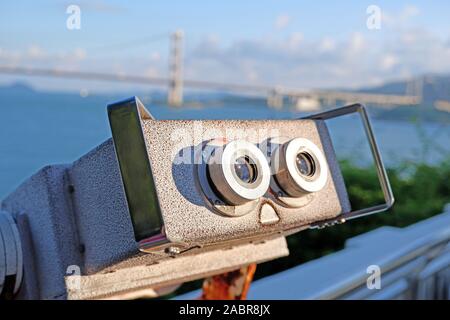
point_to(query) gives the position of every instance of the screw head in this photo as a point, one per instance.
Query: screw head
(173, 251)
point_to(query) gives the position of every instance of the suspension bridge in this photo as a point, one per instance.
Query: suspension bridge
(175, 82)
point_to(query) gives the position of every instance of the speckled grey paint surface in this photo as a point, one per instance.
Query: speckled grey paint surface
(101, 210)
(54, 244)
(78, 214)
(173, 271)
(186, 218)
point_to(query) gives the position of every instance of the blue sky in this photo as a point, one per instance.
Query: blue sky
(292, 43)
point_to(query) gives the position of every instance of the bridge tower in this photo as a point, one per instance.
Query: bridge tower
(175, 95)
(414, 87)
(275, 98)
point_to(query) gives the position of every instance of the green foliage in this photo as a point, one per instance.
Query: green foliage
(420, 190)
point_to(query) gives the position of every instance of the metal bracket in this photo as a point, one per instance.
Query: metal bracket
(125, 119)
(11, 257)
(381, 171)
(149, 280)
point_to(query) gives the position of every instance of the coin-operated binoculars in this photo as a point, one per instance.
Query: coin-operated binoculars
(168, 201)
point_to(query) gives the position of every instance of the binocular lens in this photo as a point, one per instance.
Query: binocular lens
(299, 167)
(246, 170)
(305, 164)
(239, 172)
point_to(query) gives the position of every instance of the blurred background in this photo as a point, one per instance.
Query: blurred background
(61, 62)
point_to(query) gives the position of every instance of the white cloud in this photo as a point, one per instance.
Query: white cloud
(358, 59)
(295, 40)
(79, 54)
(388, 61)
(251, 75)
(401, 18)
(349, 62)
(35, 52)
(327, 44)
(152, 72)
(409, 11)
(357, 42)
(155, 56)
(282, 21)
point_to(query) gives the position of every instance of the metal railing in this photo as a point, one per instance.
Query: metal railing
(414, 263)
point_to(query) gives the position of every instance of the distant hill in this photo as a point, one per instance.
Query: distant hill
(17, 87)
(432, 87)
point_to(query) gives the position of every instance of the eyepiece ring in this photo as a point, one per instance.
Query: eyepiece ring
(295, 178)
(222, 167)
